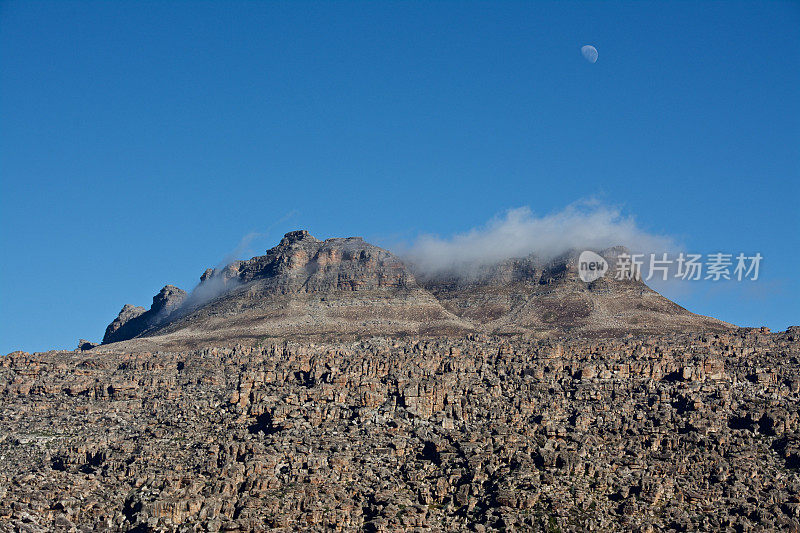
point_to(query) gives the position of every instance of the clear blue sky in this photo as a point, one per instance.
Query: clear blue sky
(139, 142)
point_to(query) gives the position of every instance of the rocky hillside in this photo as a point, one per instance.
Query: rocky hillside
(692, 432)
(347, 288)
(529, 294)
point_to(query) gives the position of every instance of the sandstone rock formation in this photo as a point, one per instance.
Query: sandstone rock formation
(687, 432)
(326, 387)
(117, 329)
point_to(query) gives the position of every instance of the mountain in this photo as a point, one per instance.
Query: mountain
(346, 287)
(304, 287)
(519, 295)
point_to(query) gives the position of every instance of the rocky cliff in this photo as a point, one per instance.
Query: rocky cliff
(133, 321)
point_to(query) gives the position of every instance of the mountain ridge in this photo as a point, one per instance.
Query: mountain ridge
(304, 287)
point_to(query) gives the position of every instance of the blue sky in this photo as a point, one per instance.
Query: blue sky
(139, 142)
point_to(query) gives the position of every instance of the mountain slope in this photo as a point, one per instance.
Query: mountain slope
(306, 287)
(528, 294)
(345, 287)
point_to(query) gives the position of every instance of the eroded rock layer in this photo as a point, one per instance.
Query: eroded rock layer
(694, 432)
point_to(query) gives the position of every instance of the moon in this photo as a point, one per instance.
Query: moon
(589, 52)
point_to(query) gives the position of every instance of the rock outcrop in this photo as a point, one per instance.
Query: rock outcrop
(122, 327)
(302, 264)
(133, 321)
(690, 432)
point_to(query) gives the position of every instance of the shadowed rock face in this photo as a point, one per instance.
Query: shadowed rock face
(133, 321)
(121, 328)
(304, 287)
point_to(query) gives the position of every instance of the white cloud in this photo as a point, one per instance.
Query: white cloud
(519, 232)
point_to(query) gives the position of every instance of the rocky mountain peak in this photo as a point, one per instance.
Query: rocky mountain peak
(302, 263)
(126, 315)
(346, 286)
(168, 299)
(297, 236)
(133, 321)
(529, 270)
